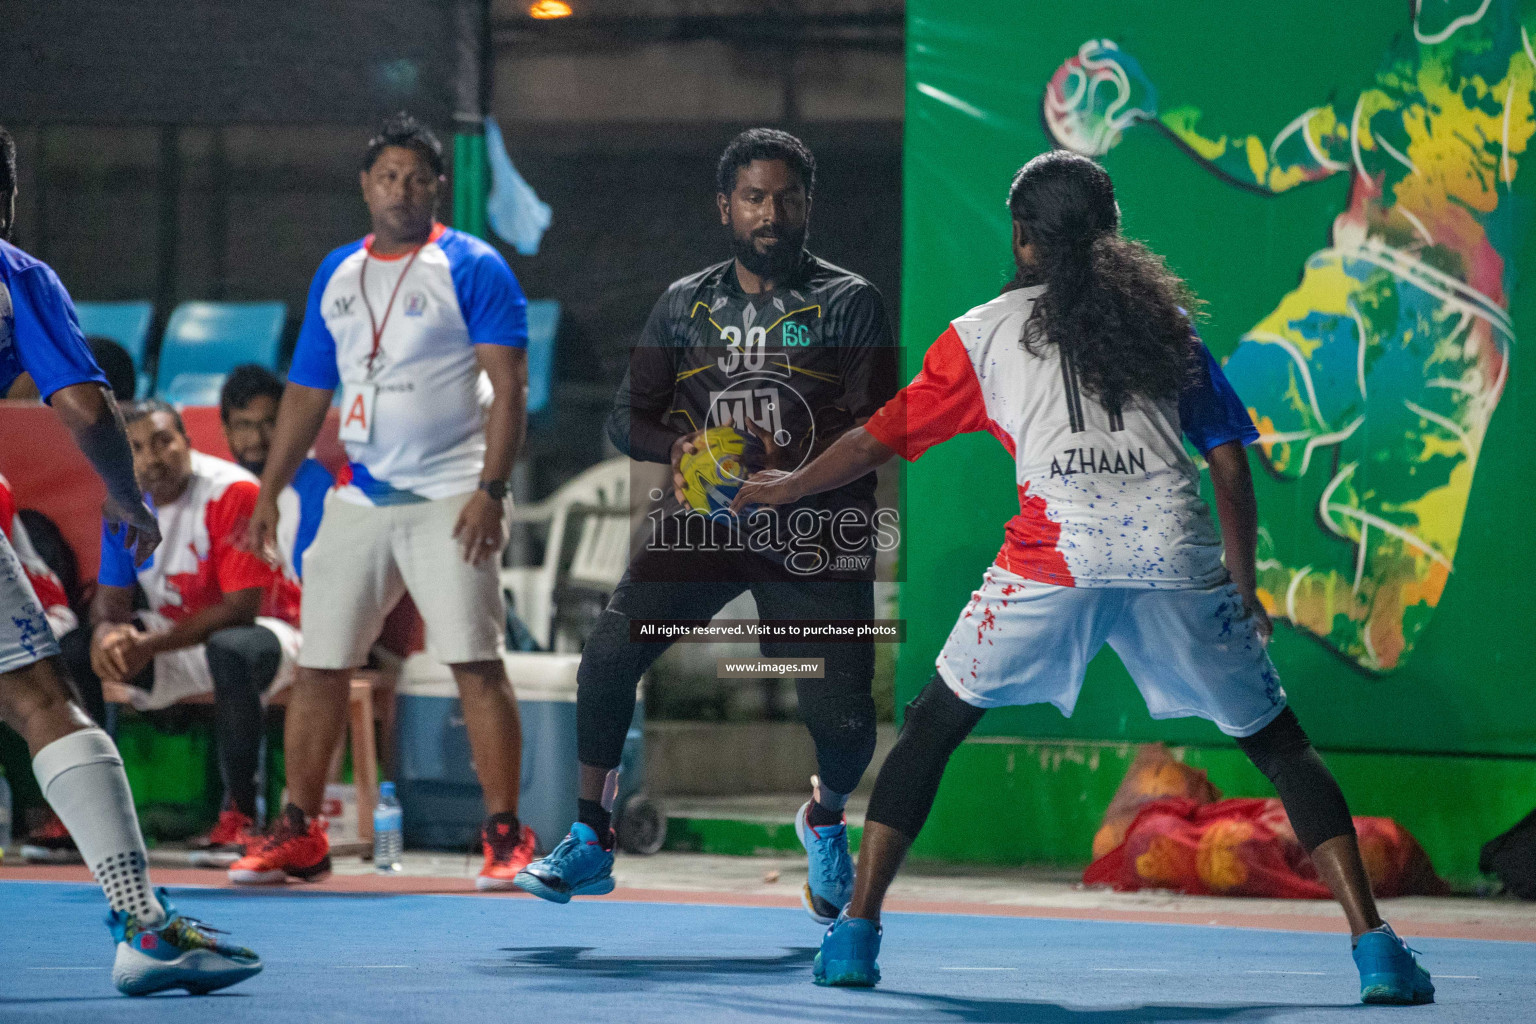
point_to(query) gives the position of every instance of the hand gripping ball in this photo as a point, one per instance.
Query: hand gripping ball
(722, 461)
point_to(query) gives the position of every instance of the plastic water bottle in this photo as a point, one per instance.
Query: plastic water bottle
(388, 838)
(5, 817)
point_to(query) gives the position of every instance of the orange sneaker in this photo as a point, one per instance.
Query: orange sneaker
(233, 831)
(506, 852)
(225, 842)
(50, 843)
(291, 846)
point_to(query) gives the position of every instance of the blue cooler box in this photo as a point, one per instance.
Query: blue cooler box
(438, 789)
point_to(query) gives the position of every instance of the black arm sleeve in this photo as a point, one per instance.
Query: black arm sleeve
(868, 352)
(637, 423)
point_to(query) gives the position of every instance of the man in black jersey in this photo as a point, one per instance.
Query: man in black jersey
(791, 352)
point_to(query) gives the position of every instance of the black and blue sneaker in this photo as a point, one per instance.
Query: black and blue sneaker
(179, 952)
(579, 866)
(848, 953)
(1389, 973)
(829, 868)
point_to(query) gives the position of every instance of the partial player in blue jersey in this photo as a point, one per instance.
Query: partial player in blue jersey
(77, 765)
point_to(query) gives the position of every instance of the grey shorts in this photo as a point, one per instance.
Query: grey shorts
(362, 560)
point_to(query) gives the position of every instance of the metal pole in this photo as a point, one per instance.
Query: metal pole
(471, 173)
(168, 236)
(218, 214)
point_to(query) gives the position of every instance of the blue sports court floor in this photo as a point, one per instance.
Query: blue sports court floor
(382, 958)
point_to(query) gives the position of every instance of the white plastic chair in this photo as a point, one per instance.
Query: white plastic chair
(596, 564)
(532, 587)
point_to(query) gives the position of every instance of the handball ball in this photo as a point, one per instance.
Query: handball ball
(721, 463)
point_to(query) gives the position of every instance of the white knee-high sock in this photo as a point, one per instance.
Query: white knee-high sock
(83, 781)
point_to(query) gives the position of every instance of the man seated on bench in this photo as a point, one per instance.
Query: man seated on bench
(219, 620)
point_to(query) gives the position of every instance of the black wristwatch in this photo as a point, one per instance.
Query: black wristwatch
(495, 488)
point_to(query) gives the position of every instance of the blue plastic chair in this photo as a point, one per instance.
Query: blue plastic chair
(543, 324)
(126, 323)
(212, 338)
(194, 389)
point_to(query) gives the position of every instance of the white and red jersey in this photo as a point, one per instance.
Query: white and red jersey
(45, 582)
(1104, 500)
(202, 554)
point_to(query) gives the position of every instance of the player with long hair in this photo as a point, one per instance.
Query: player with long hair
(1088, 370)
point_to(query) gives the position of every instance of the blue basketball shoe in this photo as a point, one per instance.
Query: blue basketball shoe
(178, 953)
(848, 953)
(1388, 971)
(828, 867)
(579, 866)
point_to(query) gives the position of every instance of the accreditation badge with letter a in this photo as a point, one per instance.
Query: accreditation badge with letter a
(357, 401)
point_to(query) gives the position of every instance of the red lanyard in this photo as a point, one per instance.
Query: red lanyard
(378, 326)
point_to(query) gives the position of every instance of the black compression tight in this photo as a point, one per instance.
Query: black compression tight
(936, 723)
(611, 667)
(840, 714)
(1312, 798)
(243, 661)
(838, 711)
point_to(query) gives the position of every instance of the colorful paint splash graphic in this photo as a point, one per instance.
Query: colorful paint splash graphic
(1374, 380)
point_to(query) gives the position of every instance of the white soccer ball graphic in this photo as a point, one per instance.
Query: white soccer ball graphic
(1095, 96)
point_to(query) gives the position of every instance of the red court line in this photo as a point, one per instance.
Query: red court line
(211, 879)
(1327, 920)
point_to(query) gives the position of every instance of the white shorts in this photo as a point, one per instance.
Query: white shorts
(362, 560)
(1190, 652)
(184, 673)
(24, 634)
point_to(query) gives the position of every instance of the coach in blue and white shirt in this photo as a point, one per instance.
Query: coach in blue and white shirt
(424, 330)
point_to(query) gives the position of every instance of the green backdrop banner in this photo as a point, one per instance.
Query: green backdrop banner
(1348, 187)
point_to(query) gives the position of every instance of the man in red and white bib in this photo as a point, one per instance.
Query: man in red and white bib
(219, 620)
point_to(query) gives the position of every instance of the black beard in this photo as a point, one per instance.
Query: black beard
(778, 262)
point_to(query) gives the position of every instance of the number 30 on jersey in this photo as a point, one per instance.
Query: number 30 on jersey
(749, 358)
(737, 358)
